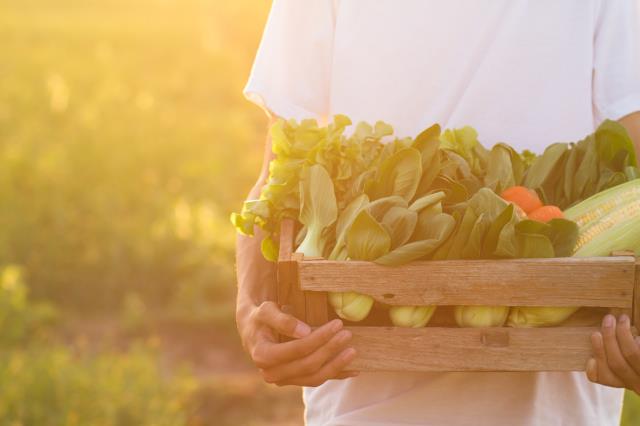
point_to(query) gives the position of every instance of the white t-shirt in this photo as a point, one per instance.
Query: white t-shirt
(526, 72)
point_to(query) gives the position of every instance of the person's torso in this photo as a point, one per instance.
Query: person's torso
(461, 399)
(519, 71)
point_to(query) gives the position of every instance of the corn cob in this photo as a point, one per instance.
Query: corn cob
(602, 203)
(608, 221)
(624, 236)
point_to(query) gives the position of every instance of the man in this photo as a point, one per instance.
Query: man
(528, 72)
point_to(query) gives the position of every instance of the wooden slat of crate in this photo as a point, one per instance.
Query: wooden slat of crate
(589, 282)
(636, 297)
(317, 309)
(435, 349)
(289, 292)
(600, 282)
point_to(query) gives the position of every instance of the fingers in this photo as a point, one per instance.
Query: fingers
(617, 362)
(330, 371)
(267, 354)
(340, 376)
(628, 345)
(311, 363)
(270, 314)
(598, 370)
(346, 375)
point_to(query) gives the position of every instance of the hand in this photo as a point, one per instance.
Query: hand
(617, 355)
(312, 358)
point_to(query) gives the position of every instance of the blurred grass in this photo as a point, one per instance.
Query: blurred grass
(124, 145)
(57, 387)
(53, 385)
(631, 412)
(98, 379)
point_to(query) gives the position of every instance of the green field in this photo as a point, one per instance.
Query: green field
(125, 143)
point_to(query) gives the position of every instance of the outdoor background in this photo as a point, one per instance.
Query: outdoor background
(125, 143)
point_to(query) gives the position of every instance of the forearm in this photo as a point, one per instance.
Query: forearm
(256, 276)
(632, 123)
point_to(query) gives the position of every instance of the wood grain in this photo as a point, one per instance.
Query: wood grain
(289, 293)
(470, 349)
(287, 234)
(607, 283)
(636, 297)
(592, 282)
(317, 310)
(587, 317)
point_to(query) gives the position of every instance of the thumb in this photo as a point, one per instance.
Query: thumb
(284, 323)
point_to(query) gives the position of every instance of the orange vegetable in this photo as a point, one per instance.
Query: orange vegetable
(546, 213)
(525, 198)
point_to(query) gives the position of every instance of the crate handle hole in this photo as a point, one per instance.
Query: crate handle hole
(388, 296)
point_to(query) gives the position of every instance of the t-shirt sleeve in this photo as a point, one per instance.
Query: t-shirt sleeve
(616, 74)
(291, 74)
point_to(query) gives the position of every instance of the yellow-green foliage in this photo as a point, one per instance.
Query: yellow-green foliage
(125, 143)
(20, 318)
(631, 412)
(53, 386)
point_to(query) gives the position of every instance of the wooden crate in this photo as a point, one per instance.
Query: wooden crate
(605, 282)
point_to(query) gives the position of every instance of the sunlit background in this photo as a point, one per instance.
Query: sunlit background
(124, 145)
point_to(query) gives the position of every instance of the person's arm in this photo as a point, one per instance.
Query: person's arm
(632, 123)
(312, 357)
(617, 352)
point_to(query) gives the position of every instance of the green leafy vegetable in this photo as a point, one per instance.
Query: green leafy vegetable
(534, 316)
(505, 168)
(569, 173)
(496, 230)
(438, 228)
(411, 316)
(366, 240)
(542, 240)
(400, 223)
(428, 143)
(465, 143)
(543, 167)
(347, 216)
(351, 306)
(398, 175)
(367, 196)
(427, 201)
(318, 209)
(481, 316)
